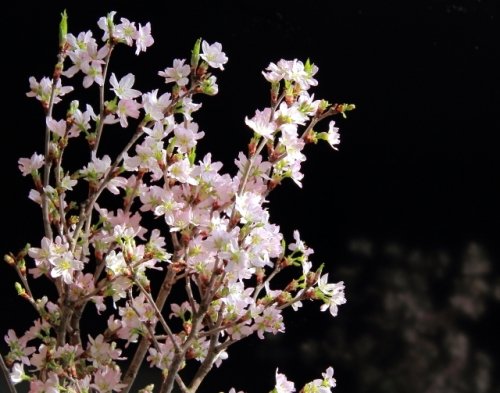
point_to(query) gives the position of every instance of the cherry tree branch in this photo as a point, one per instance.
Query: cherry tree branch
(6, 375)
(102, 108)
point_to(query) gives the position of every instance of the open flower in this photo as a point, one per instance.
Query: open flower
(28, 166)
(123, 88)
(213, 54)
(177, 73)
(64, 266)
(262, 123)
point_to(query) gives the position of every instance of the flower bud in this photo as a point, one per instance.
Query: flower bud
(21, 265)
(63, 30)
(292, 286)
(195, 54)
(19, 289)
(343, 108)
(9, 258)
(322, 107)
(147, 389)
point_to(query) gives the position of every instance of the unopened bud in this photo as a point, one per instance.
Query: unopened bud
(147, 389)
(202, 69)
(63, 30)
(343, 108)
(292, 286)
(322, 107)
(311, 279)
(111, 106)
(21, 265)
(275, 89)
(260, 275)
(283, 298)
(195, 54)
(252, 146)
(19, 289)
(311, 137)
(73, 220)
(9, 258)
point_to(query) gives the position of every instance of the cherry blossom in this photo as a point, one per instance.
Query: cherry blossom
(171, 214)
(154, 106)
(127, 108)
(107, 380)
(17, 374)
(42, 90)
(177, 73)
(143, 38)
(96, 168)
(64, 266)
(126, 31)
(334, 294)
(299, 245)
(262, 123)
(123, 88)
(29, 166)
(57, 127)
(333, 137)
(102, 352)
(213, 54)
(283, 385)
(106, 24)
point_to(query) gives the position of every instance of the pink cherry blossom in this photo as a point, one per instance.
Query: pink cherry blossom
(96, 168)
(269, 321)
(155, 106)
(143, 38)
(126, 31)
(333, 137)
(333, 294)
(57, 127)
(123, 88)
(107, 380)
(262, 123)
(29, 166)
(42, 90)
(107, 25)
(64, 266)
(101, 352)
(127, 108)
(283, 385)
(299, 245)
(186, 137)
(208, 231)
(213, 54)
(177, 73)
(17, 374)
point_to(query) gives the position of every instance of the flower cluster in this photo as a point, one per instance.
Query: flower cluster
(180, 218)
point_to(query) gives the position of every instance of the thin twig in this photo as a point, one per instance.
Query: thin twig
(158, 314)
(146, 325)
(6, 374)
(275, 271)
(102, 108)
(212, 353)
(48, 162)
(189, 292)
(181, 384)
(133, 369)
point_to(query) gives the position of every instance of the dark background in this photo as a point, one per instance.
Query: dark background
(406, 212)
